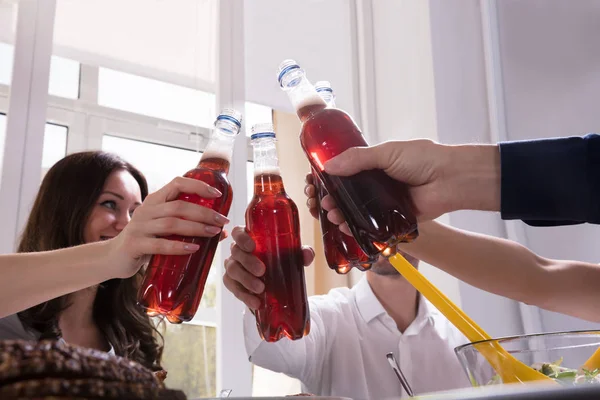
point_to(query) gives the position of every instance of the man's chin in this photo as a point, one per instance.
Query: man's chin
(385, 270)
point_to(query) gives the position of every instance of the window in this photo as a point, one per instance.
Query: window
(142, 119)
(159, 163)
(64, 78)
(64, 73)
(6, 63)
(190, 359)
(155, 98)
(189, 354)
(55, 145)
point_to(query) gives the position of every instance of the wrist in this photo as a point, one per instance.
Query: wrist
(110, 257)
(474, 177)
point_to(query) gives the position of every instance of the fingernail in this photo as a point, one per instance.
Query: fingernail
(221, 219)
(212, 229)
(214, 191)
(191, 246)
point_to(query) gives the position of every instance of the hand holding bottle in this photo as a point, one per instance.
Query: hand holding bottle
(243, 269)
(441, 178)
(162, 215)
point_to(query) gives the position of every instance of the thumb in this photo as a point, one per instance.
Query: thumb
(354, 160)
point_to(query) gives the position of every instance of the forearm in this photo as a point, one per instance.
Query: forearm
(29, 279)
(509, 269)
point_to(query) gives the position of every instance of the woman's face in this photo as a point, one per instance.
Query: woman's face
(112, 211)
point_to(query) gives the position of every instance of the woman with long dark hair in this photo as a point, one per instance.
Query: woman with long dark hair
(91, 197)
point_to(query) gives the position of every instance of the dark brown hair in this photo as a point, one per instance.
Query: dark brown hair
(59, 215)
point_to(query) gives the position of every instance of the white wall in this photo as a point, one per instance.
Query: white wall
(316, 33)
(403, 70)
(551, 74)
(463, 117)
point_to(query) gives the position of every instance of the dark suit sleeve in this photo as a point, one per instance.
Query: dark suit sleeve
(551, 182)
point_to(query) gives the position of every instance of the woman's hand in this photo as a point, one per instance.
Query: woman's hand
(162, 215)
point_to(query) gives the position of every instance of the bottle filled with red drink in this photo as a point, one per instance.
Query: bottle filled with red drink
(173, 284)
(342, 252)
(378, 209)
(273, 223)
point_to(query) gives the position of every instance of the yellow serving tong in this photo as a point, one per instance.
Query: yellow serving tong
(506, 365)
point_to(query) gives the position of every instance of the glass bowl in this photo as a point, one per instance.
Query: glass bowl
(570, 349)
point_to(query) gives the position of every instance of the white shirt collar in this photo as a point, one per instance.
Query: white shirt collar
(370, 307)
(366, 301)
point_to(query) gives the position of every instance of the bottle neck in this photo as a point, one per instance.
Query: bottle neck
(267, 176)
(328, 98)
(305, 99)
(219, 151)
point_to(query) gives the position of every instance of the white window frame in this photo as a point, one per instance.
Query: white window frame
(87, 122)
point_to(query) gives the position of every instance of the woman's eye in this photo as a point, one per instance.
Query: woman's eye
(109, 204)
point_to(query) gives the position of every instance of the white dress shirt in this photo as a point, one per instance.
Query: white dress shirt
(345, 352)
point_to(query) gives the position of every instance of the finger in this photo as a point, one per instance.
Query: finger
(310, 179)
(310, 191)
(345, 229)
(356, 159)
(242, 238)
(328, 203)
(309, 255)
(148, 246)
(178, 226)
(248, 260)
(224, 235)
(336, 216)
(240, 293)
(239, 273)
(182, 185)
(313, 207)
(186, 210)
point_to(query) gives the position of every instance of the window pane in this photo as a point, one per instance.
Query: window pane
(155, 98)
(64, 73)
(55, 145)
(190, 359)
(159, 163)
(256, 114)
(64, 78)
(6, 63)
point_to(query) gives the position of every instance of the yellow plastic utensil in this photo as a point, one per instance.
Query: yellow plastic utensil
(593, 362)
(508, 367)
